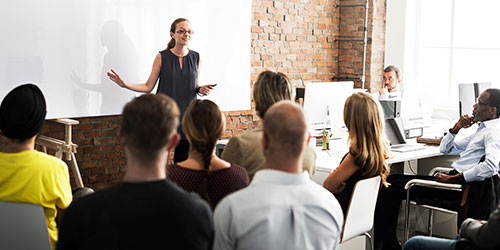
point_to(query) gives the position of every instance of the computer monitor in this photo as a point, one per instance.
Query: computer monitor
(324, 103)
(467, 95)
(394, 130)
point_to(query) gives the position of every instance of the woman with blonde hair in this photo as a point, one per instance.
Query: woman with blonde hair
(203, 172)
(368, 147)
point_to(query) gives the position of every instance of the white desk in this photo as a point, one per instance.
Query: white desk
(327, 161)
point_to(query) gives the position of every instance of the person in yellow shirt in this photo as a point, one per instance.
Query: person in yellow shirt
(26, 175)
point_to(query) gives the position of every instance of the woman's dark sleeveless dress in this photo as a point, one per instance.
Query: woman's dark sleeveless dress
(180, 85)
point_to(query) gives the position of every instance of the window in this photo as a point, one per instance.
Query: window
(445, 43)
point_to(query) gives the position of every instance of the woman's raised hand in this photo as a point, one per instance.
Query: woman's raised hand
(113, 76)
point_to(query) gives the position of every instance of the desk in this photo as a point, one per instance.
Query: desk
(327, 161)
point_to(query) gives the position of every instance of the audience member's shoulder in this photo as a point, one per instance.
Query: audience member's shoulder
(239, 174)
(247, 136)
(235, 168)
(49, 161)
(190, 201)
(320, 192)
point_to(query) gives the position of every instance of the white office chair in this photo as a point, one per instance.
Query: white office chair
(430, 184)
(361, 210)
(23, 226)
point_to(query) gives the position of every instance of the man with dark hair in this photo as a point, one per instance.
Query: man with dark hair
(282, 208)
(145, 211)
(26, 175)
(479, 159)
(391, 83)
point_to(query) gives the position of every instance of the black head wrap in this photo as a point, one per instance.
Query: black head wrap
(22, 112)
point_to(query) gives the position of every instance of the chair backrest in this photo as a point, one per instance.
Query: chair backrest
(361, 209)
(23, 226)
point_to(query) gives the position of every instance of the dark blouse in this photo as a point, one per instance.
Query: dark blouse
(220, 182)
(179, 84)
(344, 197)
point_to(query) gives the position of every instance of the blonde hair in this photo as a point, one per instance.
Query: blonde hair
(203, 123)
(270, 87)
(368, 144)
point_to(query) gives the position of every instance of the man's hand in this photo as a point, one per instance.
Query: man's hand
(465, 121)
(455, 179)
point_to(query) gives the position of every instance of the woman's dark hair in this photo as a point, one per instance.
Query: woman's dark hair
(173, 28)
(203, 124)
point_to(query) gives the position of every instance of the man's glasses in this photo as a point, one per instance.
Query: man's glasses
(182, 32)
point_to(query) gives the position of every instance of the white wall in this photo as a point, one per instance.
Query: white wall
(66, 47)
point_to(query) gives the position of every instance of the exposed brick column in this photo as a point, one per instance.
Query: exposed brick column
(295, 38)
(351, 53)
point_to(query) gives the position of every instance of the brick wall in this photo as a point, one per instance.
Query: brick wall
(351, 52)
(296, 37)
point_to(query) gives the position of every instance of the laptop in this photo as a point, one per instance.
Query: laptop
(395, 133)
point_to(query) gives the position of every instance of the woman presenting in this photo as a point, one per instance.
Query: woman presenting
(177, 68)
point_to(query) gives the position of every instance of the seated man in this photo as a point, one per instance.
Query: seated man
(469, 168)
(482, 234)
(392, 84)
(26, 175)
(282, 208)
(145, 211)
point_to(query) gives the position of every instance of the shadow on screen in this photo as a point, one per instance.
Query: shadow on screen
(122, 57)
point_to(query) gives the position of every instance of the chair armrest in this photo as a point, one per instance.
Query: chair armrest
(439, 170)
(433, 184)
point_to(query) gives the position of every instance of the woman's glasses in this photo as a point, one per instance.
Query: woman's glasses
(182, 32)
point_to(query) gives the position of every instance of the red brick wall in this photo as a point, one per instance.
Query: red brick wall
(351, 53)
(295, 37)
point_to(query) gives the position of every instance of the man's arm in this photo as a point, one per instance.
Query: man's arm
(458, 178)
(484, 235)
(224, 226)
(452, 146)
(489, 166)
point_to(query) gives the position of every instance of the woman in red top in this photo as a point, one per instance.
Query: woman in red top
(204, 172)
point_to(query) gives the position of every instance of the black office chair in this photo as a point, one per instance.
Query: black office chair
(479, 199)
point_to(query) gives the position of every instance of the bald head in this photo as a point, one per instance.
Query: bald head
(285, 129)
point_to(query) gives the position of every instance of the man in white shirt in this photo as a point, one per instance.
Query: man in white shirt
(282, 208)
(392, 84)
(479, 160)
(484, 143)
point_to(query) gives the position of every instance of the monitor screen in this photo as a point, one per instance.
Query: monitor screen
(391, 108)
(324, 101)
(394, 130)
(467, 94)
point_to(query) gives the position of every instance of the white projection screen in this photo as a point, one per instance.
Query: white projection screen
(67, 46)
